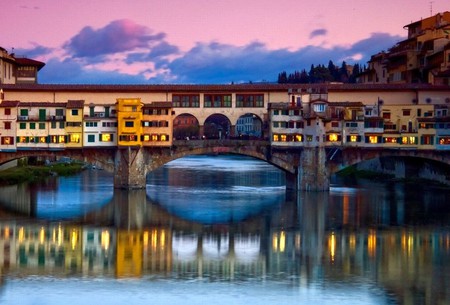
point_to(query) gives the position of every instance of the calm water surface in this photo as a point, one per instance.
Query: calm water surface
(222, 230)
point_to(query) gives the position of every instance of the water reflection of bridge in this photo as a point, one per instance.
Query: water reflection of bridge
(130, 237)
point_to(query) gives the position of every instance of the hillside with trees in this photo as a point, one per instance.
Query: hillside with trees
(322, 74)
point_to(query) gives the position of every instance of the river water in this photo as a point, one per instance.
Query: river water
(222, 230)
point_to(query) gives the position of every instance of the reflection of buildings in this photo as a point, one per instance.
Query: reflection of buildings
(407, 262)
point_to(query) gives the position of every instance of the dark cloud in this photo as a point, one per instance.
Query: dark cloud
(222, 63)
(317, 32)
(35, 52)
(217, 63)
(73, 72)
(118, 36)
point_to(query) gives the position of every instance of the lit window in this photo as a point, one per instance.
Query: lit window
(309, 138)
(283, 138)
(62, 139)
(353, 138)
(333, 137)
(74, 138)
(154, 137)
(276, 138)
(163, 137)
(42, 139)
(444, 141)
(373, 139)
(390, 140)
(22, 140)
(146, 137)
(106, 137)
(298, 138)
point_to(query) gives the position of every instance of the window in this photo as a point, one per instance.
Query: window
(24, 112)
(59, 112)
(373, 139)
(387, 115)
(52, 124)
(319, 107)
(129, 124)
(7, 111)
(74, 111)
(41, 125)
(186, 100)
(354, 138)
(334, 124)
(22, 125)
(249, 100)
(32, 125)
(218, 100)
(61, 125)
(74, 138)
(91, 138)
(276, 138)
(7, 125)
(390, 140)
(106, 137)
(406, 112)
(333, 137)
(7, 141)
(91, 124)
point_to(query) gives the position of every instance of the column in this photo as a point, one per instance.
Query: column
(129, 168)
(313, 172)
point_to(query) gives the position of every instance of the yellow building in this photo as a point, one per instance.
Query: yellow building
(74, 123)
(401, 124)
(157, 124)
(129, 121)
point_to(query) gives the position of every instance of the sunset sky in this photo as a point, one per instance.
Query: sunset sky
(200, 41)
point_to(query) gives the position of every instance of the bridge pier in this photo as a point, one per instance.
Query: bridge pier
(312, 173)
(129, 168)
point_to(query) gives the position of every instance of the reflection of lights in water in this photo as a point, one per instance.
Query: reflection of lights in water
(60, 236)
(7, 233)
(74, 239)
(145, 239)
(42, 235)
(279, 242)
(21, 234)
(332, 245)
(105, 240)
(352, 242)
(298, 240)
(372, 243)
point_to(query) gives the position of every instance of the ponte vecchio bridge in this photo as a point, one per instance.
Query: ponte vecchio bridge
(306, 168)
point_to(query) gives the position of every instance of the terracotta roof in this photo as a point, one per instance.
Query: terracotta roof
(255, 87)
(41, 104)
(75, 104)
(9, 103)
(23, 61)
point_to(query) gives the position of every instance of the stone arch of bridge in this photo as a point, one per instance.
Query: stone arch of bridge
(279, 161)
(102, 158)
(353, 156)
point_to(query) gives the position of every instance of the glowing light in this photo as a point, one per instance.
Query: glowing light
(282, 241)
(145, 238)
(105, 239)
(42, 235)
(7, 233)
(372, 243)
(21, 234)
(332, 245)
(74, 239)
